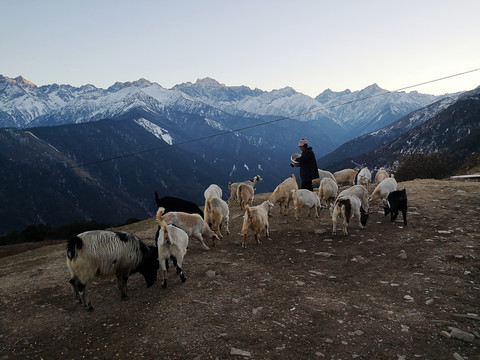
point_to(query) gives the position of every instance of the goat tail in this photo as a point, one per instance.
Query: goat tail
(163, 226)
(248, 211)
(346, 208)
(208, 204)
(74, 243)
(160, 212)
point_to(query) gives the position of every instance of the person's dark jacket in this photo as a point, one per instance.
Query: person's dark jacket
(308, 165)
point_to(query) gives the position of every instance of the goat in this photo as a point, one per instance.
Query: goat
(172, 243)
(245, 194)
(348, 207)
(383, 189)
(171, 203)
(327, 192)
(217, 213)
(360, 192)
(397, 200)
(381, 175)
(213, 191)
(322, 174)
(256, 218)
(304, 197)
(192, 224)
(283, 194)
(364, 177)
(345, 176)
(94, 253)
(232, 187)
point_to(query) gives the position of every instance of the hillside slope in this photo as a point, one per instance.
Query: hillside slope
(385, 292)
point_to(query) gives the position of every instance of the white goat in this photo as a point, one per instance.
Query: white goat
(283, 194)
(95, 253)
(327, 192)
(217, 213)
(322, 174)
(364, 177)
(172, 243)
(345, 176)
(192, 224)
(213, 191)
(304, 197)
(256, 218)
(360, 192)
(245, 195)
(381, 175)
(232, 187)
(348, 207)
(383, 189)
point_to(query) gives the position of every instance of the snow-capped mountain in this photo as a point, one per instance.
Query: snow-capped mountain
(370, 141)
(451, 123)
(339, 116)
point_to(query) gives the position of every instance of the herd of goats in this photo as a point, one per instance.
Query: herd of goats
(101, 252)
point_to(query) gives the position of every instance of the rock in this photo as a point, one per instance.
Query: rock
(461, 335)
(445, 334)
(445, 231)
(457, 356)
(429, 302)
(320, 231)
(300, 283)
(238, 352)
(356, 332)
(408, 298)
(402, 255)
(256, 310)
(211, 273)
(324, 254)
(360, 259)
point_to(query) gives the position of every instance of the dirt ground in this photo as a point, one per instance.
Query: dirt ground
(384, 292)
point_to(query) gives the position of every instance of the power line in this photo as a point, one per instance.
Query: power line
(263, 123)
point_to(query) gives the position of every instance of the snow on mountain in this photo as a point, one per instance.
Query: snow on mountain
(339, 115)
(156, 130)
(385, 134)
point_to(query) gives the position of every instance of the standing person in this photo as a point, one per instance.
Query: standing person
(308, 165)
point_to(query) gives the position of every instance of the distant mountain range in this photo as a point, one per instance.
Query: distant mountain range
(70, 154)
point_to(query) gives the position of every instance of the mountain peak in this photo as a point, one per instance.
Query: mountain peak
(208, 82)
(18, 80)
(138, 83)
(372, 88)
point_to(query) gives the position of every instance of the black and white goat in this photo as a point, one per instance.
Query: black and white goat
(98, 252)
(397, 201)
(348, 207)
(172, 244)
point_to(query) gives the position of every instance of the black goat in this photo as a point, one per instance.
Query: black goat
(397, 201)
(171, 203)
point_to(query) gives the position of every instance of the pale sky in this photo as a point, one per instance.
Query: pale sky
(309, 45)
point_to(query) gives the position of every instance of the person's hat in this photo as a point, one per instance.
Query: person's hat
(303, 142)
